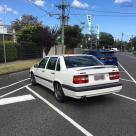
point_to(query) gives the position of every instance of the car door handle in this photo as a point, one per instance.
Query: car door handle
(52, 73)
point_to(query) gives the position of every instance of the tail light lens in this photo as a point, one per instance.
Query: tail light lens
(114, 75)
(80, 79)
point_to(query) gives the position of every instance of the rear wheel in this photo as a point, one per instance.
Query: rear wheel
(33, 80)
(58, 92)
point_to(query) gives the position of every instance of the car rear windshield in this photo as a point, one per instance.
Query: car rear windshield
(108, 54)
(81, 61)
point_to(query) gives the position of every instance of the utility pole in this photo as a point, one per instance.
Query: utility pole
(122, 35)
(98, 36)
(63, 18)
(62, 25)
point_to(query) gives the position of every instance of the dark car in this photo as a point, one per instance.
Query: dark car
(107, 57)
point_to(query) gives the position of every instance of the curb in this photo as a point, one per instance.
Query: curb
(14, 72)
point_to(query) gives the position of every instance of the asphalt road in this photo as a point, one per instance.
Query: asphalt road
(39, 114)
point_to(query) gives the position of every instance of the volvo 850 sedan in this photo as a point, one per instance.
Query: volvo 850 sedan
(77, 76)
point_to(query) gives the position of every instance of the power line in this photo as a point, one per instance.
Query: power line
(107, 15)
(30, 2)
(112, 12)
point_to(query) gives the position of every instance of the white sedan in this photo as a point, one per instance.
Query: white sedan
(76, 76)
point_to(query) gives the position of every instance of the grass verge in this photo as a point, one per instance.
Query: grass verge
(17, 65)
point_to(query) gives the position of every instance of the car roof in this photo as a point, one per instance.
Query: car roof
(108, 51)
(64, 55)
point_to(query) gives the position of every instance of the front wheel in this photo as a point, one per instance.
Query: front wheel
(58, 92)
(33, 80)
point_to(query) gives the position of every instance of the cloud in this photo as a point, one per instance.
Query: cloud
(5, 8)
(78, 4)
(93, 7)
(126, 3)
(15, 12)
(1, 8)
(39, 3)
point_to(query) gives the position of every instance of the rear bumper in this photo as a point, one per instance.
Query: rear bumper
(89, 91)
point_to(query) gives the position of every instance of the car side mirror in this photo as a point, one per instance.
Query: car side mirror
(36, 65)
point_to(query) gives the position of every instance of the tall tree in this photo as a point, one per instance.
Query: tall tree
(25, 20)
(73, 36)
(46, 37)
(132, 42)
(26, 33)
(106, 40)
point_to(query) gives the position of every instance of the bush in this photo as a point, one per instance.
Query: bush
(11, 51)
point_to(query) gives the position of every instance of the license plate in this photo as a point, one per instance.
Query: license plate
(99, 77)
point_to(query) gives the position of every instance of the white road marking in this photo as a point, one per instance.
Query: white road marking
(127, 80)
(16, 99)
(14, 91)
(125, 97)
(79, 127)
(127, 73)
(14, 83)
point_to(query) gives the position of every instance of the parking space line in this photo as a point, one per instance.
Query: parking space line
(126, 97)
(79, 127)
(127, 80)
(16, 99)
(14, 83)
(127, 73)
(14, 91)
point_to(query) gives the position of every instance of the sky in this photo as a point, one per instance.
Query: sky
(113, 16)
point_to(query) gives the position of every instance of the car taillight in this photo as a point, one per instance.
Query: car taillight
(80, 79)
(114, 75)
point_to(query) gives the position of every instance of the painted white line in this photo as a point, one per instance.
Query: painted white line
(79, 127)
(16, 99)
(126, 97)
(127, 80)
(14, 91)
(127, 73)
(14, 83)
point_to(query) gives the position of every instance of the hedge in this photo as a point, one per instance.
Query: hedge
(11, 51)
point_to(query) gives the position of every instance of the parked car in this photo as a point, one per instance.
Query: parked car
(107, 57)
(115, 49)
(76, 76)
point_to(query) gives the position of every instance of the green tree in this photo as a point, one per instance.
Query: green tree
(132, 43)
(26, 33)
(106, 40)
(73, 36)
(25, 20)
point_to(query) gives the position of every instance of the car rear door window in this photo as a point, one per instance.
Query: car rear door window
(52, 63)
(43, 63)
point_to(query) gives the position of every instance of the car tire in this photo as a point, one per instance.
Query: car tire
(58, 92)
(33, 80)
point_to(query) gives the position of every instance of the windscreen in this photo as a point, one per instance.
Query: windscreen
(108, 54)
(81, 61)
